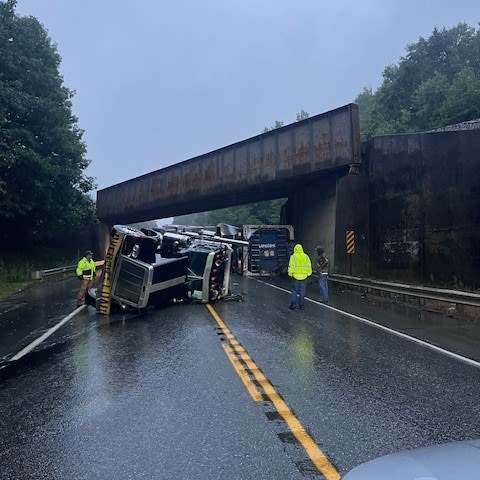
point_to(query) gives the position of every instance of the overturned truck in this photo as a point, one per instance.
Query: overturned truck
(147, 268)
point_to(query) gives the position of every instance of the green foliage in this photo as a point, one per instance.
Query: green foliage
(15, 268)
(278, 124)
(436, 83)
(260, 213)
(8, 288)
(149, 224)
(14, 275)
(302, 115)
(366, 107)
(43, 190)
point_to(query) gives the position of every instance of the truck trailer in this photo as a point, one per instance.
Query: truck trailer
(269, 248)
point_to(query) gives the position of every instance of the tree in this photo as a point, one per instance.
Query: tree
(278, 124)
(43, 189)
(438, 102)
(435, 84)
(148, 224)
(366, 106)
(259, 213)
(302, 115)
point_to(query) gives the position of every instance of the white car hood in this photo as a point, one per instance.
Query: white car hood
(449, 461)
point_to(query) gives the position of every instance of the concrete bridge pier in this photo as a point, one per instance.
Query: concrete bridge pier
(311, 211)
(322, 212)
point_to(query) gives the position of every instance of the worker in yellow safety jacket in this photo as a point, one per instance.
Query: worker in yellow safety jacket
(299, 269)
(85, 273)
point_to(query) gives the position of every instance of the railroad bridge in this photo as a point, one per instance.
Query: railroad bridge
(307, 162)
(398, 207)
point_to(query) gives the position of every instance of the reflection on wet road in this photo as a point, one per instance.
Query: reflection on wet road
(155, 396)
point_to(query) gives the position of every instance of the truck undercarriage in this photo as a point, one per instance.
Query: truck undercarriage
(148, 268)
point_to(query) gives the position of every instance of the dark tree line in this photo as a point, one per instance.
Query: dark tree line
(43, 188)
(261, 213)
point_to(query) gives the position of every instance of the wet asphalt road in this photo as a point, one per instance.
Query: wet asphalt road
(154, 396)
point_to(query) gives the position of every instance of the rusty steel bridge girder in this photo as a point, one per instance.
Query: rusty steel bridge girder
(269, 165)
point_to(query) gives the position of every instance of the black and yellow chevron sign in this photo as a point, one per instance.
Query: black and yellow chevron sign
(350, 241)
(104, 301)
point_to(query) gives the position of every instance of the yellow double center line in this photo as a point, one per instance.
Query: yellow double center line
(243, 364)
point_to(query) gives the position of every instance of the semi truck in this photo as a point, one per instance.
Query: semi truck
(146, 268)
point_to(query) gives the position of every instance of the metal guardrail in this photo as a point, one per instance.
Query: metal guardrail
(418, 291)
(439, 294)
(39, 274)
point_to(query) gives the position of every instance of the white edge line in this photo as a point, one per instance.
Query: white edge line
(456, 356)
(43, 337)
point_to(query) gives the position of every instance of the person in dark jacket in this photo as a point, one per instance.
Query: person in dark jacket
(321, 267)
(85, 273)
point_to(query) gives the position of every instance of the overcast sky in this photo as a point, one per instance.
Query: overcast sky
(158, 82)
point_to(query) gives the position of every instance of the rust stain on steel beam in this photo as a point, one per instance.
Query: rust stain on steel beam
(255, 161)
(208, 174)
(241, 164)
(158, 186)
(228, 171)
(302, 146)
(172, 184)
(322, 142)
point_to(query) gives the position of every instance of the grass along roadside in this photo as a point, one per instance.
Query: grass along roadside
(7, 289)
(15, 268)
(14, 275)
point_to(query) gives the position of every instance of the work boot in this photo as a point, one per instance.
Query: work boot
(292, 307)
(301, 307)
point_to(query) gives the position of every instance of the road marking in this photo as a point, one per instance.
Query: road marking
(238, 356)
(231, 350)
(43, 337)
(448, 353)
(249, 385)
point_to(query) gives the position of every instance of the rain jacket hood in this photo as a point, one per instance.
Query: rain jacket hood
(298, 249)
